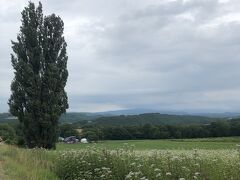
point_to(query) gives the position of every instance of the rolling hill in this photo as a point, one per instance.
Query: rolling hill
(153, 118)
(108, 119)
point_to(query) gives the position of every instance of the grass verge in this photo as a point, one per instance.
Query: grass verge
(24, 164)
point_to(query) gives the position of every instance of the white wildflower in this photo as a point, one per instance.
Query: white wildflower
(197, 173)
(168, 173)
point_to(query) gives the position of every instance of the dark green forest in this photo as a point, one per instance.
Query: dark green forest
(153, 118)
(224, 128)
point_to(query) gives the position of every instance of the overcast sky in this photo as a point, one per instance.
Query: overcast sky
(151, 54)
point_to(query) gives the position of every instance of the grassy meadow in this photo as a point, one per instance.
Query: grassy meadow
(175, 144)
(211, 158)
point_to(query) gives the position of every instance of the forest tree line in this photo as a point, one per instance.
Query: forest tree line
(150, 131)
(11, 133)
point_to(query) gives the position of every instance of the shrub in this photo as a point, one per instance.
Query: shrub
(7, 133)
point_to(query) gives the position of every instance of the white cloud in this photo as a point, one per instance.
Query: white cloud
(178, 55)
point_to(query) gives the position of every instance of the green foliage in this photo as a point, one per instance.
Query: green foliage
(92, 133)
(7, 133)
(67, 130)
(220, 129)
(91, 136)
(40, 63)
(150, 131)
(19, 132)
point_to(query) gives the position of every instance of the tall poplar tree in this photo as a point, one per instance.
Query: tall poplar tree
(40, 66)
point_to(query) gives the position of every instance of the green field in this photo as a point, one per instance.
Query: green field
(176, 144)
(210, 158)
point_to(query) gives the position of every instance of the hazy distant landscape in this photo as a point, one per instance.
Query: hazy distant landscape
(71, 117)
(159, 118)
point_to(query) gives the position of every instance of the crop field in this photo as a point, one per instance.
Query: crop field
(215, 158)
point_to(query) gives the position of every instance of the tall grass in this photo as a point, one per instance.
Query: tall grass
(25, 164)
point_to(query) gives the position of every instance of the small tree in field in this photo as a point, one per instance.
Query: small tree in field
(40, 62)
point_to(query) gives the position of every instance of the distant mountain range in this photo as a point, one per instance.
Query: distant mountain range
(220, 115)
(150, 116)
(143, 111)
(138, 111)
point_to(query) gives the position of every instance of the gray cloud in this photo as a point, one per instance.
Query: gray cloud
(177, 55)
